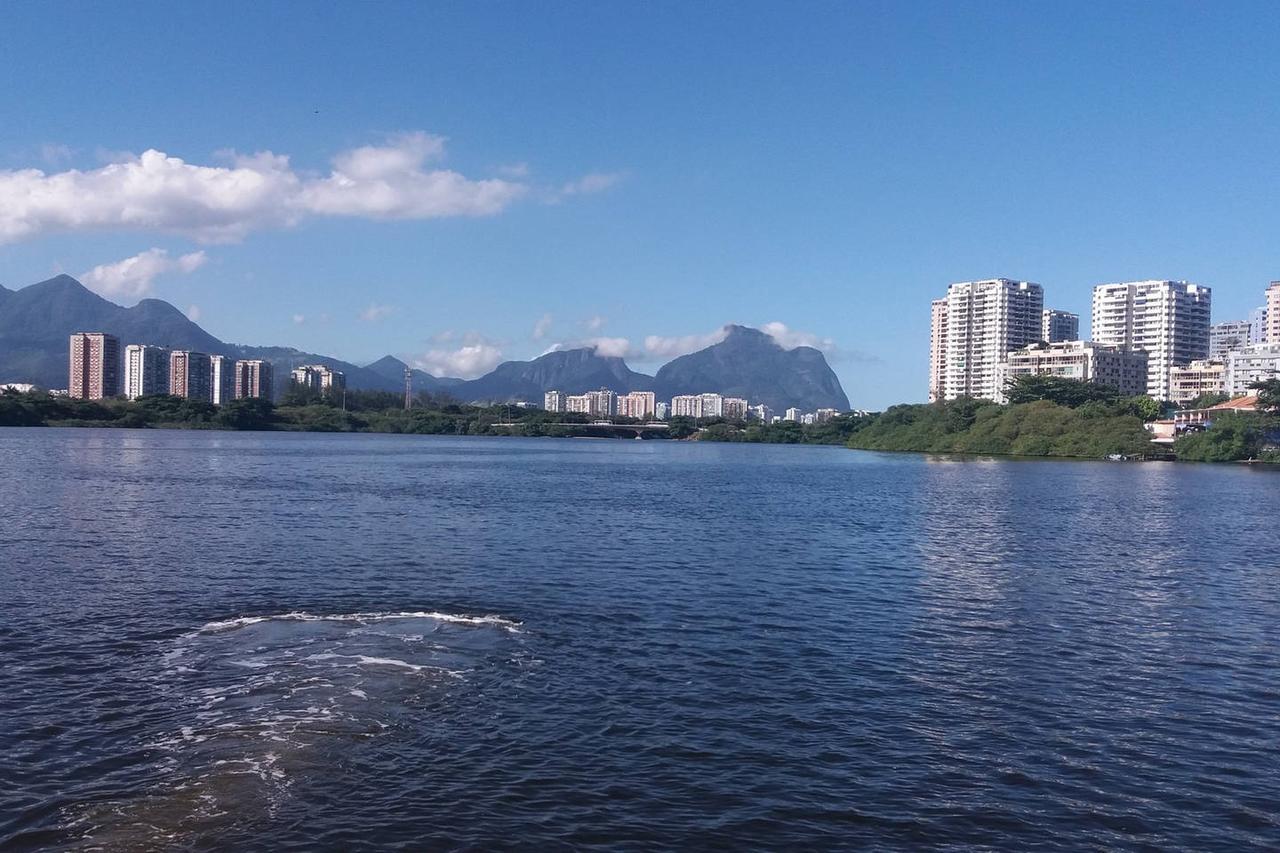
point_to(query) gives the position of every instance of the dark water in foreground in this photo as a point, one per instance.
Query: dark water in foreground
(300, 641)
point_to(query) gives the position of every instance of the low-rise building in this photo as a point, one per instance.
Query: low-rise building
(1257, 363)
(1087, 361)
(1197, 378)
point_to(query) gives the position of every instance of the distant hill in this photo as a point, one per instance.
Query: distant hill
(572, 371)
(36, 321)
(748, 363)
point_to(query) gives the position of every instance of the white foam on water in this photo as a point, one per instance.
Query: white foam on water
(302, 616)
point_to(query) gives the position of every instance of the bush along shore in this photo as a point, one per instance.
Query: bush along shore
(1052, 416)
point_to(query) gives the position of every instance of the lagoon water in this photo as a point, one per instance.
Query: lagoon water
(285, 641)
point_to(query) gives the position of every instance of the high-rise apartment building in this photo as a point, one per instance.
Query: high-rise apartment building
(254, 378)
(1086, 361)
(712, 405)
(1228, 337)
(1273, 313)
(983, 321)
(1058, 325)
(1169, 320)
(734, 408)
(579, 403)
(686, 406)
(146, 370)
(319, 377)
(553, 401)
(189, 375)
(222, 379)
(94, 366)
(637, 404)
(937, 350)
(603, 402)
(763, 413)
(1258, 325)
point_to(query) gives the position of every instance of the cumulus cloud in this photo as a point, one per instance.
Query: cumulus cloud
(789, 338)
(608, 347)
(465, 362)
(299, 319)
(541, 327)
(132, 278)
(154, 191)
(376, 312)
(671, 347)
(594, 324)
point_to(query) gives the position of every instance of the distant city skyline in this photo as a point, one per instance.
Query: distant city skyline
(458, 188)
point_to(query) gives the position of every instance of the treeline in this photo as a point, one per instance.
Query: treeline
(1055, 416)
(837, 430)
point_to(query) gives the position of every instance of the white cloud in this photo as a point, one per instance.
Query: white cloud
(788, 338)
(591, 183)
(466, 362)
(132, 277)
(595, 324)
(613, 347)
(193, 313)
(299, 319)
(541, 327)
(376, 312)
(156, 192)
(663, 347)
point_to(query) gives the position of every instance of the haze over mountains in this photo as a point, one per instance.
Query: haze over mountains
(36, 321)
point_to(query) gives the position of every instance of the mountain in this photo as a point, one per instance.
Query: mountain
(36, 321)
(391, 369)
(572, 371)
(748, 363)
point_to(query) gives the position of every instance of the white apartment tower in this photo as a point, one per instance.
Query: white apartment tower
(553, 401)
(146, 370)
(222, 379)
(1168, 320)
(1273, 313)
(1058, 325)
(981, 323)
(937, 350)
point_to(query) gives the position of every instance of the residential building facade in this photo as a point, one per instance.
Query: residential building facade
(1206, 376)
(553, 401)
(94, 366)
(603, 402)
(937, 350)
(146, 370)
(792, 414)
(983, 322)
(222, 379)
(319, 377)
(1273, 313)
(638, 404)
(254, 378)
(189, 375)
(1059, 326)
(1169, 320)
(1087, 361)
(1228, 337)
(734, 408)
(1258, 363)
(578, 403)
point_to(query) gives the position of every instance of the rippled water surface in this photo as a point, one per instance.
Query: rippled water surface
(257, 641)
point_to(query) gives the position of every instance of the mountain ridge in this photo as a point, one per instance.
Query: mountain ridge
(36, 320)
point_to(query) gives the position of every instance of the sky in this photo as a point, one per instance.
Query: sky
(461, 183)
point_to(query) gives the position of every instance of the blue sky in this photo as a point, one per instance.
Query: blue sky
(474, 181)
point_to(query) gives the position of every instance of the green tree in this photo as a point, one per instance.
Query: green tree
(1057, 389)
(1268, 392)
(249, 413)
